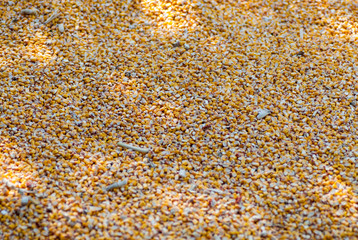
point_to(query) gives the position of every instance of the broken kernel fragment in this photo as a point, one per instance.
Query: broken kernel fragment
(156, 102)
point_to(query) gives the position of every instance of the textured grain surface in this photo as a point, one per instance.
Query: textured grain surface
(185, 79)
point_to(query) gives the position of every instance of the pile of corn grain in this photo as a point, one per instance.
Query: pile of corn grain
(248, 109)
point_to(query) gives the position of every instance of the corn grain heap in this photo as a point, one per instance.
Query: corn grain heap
(248, 109)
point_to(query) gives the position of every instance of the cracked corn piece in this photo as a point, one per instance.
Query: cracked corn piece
(183, 79)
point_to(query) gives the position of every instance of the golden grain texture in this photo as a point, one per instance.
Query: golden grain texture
(188, 80)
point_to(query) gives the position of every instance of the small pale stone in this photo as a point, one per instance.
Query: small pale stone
(4, 212)
(212, 203)
(29, 11)
(182, 173)
(25, 200)
(262, 113)
(61, 27)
